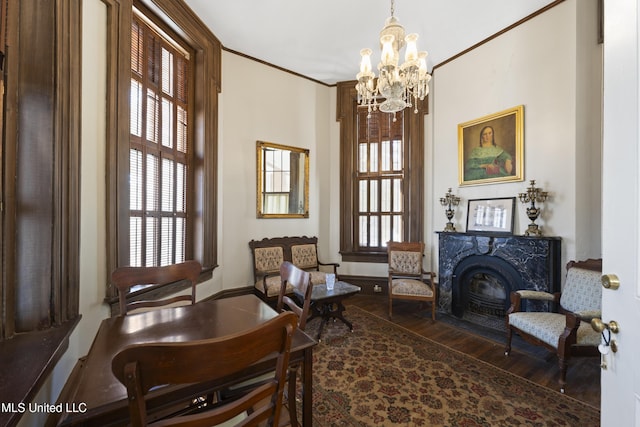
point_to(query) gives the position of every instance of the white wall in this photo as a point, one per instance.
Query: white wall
(259, 102)
(547, 64)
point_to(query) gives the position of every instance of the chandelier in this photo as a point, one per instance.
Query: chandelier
(401, 86)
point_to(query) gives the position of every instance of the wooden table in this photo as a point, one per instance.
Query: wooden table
(102, 400)
(327, 303)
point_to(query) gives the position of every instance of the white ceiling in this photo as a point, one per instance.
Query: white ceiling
(322, 39)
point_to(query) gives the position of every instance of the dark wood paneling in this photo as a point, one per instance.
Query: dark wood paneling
(41, 157)
(35, 164)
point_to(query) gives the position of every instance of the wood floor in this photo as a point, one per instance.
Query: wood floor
(531, 362)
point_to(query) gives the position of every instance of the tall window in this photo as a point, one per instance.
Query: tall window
(159, 153)
(162, 131)
(379, 179)
(382, 179)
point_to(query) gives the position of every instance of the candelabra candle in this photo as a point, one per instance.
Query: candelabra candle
(532, 196)
(448, 201)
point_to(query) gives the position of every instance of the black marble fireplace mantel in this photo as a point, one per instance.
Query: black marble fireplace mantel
(531, 263)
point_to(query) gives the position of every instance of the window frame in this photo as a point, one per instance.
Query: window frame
(173, 17)
(413, 217)
(175, 205)
(375, 175)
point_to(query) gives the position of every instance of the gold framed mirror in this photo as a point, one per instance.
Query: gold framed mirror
(282, 181)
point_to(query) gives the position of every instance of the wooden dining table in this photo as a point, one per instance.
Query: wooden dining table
(96, 397)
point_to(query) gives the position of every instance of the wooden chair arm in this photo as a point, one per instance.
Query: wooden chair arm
(569, 336)
(517, 297)
(515, 303)
(587, 315)
(432, 278)
(264, 275)
(335, 266)
(538, 295)
(572, 320)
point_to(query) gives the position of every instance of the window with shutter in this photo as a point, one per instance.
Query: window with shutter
(159, 155)
(379, 179)
(382, 177)
(161, 138)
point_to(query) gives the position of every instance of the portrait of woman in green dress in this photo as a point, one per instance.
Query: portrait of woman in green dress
(490, 148)
(488, 160)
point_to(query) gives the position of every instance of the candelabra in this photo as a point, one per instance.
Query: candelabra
(448, 201)
(532, 196)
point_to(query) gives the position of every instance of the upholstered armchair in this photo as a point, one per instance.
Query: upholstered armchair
(567, 330)
(407, 276)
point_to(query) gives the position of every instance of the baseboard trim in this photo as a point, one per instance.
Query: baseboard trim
(368, 283)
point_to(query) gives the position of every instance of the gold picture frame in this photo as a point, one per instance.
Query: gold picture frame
(282, 178)
(490, 149)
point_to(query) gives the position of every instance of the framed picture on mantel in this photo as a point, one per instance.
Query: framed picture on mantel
(491, 215)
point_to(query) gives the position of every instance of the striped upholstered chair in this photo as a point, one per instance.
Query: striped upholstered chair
(567, 330)
(407, 278)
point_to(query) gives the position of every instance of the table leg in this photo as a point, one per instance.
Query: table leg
(291, 395)
(307, 388)
(337, 313)
(325, 320)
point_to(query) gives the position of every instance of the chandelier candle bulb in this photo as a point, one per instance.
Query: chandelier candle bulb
(411, 53)
(423, 62)
(388, 55)
(365, 64)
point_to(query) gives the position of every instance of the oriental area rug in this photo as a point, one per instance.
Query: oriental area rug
(382, 374)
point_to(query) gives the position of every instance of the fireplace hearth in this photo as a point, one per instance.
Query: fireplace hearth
(477, 273)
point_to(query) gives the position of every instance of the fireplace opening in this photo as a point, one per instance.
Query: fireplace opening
(481, 288)
(486, 295)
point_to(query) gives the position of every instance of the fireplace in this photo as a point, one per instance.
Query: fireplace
(477, 273)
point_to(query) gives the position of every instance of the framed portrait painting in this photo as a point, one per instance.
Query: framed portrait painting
(490, 148)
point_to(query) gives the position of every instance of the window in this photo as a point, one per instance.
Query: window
(277, 180)
(159, 153)
(379, 179)
(382, 178)
(162, 136)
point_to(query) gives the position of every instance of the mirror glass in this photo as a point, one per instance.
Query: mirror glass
(283, 181)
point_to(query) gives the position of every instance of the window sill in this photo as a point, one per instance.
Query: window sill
(27, 360)
(379, 257)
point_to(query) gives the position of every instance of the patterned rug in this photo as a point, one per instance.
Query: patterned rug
(384, 375)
